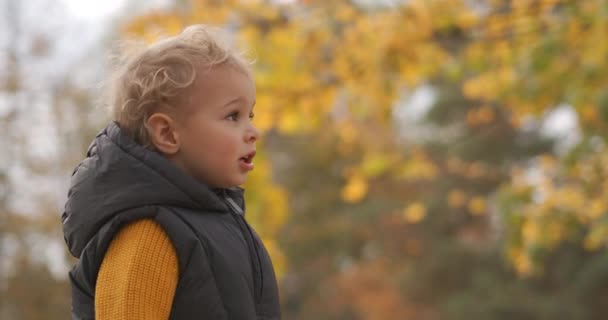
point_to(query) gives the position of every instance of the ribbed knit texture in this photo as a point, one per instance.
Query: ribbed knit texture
(138, 275)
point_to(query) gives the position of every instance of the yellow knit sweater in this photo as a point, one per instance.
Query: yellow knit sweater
(138, 275)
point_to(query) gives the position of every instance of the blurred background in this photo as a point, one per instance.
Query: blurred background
(421, 159)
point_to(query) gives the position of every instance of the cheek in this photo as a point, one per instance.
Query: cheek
(211, 141)
(224, 143)
(194, 139)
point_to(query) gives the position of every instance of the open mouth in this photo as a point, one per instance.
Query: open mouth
(248, 158)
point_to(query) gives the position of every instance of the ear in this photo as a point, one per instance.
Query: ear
(163, 134)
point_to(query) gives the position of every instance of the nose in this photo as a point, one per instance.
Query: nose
(252, 134)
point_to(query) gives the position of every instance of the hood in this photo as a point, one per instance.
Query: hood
(119, 174)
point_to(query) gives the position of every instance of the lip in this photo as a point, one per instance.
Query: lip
(246, 162)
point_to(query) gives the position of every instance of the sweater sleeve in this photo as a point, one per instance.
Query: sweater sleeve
(138, 276)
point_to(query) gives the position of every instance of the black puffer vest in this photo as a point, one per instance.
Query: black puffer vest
(224, 270)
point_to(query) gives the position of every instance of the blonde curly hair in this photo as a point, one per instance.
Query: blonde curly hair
(157, 77)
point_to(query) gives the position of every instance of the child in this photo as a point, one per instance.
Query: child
(154, 213)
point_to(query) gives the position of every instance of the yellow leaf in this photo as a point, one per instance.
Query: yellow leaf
(345, 13)
(374, 164)
(347, 133)
(278, 258)
(589, 114)
(485, 114)
(596, 209)
(530, 232)
(477, 205)
(289, 122)
(523, 264)
(414, 213)
(467, 19)
(456, 198)
(473, 88)
(482, 115)
(418, 168)
(263, 120)
(355, 189)
(596, 238)
(555, 232)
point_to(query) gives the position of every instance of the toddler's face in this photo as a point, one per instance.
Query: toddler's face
(218, 137)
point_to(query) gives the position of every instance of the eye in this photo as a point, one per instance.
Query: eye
(251, 115)
(233, 116)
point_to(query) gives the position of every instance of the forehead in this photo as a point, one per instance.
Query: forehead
(221, 84)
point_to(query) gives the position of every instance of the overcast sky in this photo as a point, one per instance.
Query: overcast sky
(92, 9)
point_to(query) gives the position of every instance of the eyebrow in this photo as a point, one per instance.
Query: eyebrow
(241, 98)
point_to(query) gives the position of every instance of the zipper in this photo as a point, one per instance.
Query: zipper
(252, 247)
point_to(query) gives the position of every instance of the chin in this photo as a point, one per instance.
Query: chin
(240, 182)
(234, 183)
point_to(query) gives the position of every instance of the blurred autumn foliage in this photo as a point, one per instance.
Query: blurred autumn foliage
(410, 166)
